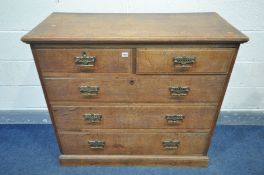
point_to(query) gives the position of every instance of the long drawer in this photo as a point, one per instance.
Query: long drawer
(184, 60)
(136, 143)
(152, 89)
(125, 116)
(83, 60)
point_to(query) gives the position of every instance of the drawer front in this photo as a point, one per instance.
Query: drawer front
(134, 143)
(184, 60)
(84, 60)
(114, 117)
(206, 88)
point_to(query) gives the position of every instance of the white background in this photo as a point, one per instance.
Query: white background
(19, 84)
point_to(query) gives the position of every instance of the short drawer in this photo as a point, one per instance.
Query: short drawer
(84, 60)
(184, 60)
(152, 89)
(136, 143)
(132, 117)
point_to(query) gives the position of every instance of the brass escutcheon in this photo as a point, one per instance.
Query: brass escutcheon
(179, 91)
(85, 60)
(89, 90)
(171, 144)
(92, 118)
(184, 61)
(96, 144)
(174, 118)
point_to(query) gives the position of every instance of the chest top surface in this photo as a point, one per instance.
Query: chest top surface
(134, 28)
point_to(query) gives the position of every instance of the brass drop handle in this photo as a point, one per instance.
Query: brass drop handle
(85, 60)
(179, 90)
(170, 144)
(184, 61)
(89, 90)
(96, 144)
(174, 118)
(92, 118)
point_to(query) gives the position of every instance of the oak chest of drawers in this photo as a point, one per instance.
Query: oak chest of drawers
(134, 89)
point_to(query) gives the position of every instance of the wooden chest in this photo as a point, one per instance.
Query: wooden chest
(134, 89)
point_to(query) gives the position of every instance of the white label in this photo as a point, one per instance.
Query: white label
(124, 54)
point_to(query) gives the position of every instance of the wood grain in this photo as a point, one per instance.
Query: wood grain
(47, 99)
(134, 28)
(62, 60)
(222, 98)
(132, 160)
(134, 92)
(133, 143)
(145, 89)
(136, 116)
(160, 60)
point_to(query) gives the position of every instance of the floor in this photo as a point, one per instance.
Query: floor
(32, 150)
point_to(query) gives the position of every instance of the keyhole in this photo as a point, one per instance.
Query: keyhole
(131, 82)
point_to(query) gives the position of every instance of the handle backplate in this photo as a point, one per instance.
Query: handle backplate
(184, 61)
(85, 60)
(170, 144)
(92, 118)
(179, 91)
(174, 118)
(89, 90)
(96, 144)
